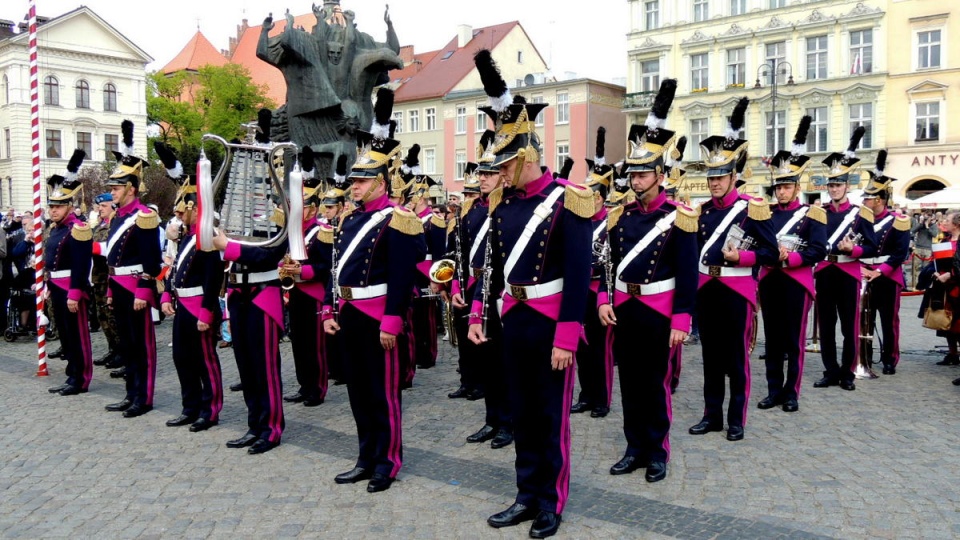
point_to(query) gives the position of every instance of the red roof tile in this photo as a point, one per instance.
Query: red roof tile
(198, 52)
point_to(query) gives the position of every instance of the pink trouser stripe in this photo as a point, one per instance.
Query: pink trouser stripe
(894, 340)
(273, 377)
(746, 359)
(85, 349)
(322, 374)
(802, 345)
(668, 395)
(391, 388)
(608, 364)
(208, 344)
(856, 335)
(151, 350)
(563, 479)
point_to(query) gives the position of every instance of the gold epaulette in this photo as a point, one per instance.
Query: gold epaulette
(81, 232)
(278, 217)
(687, 219)
(325, 234)
(579, 201)
(438, 221)
(495, 197)
(818, 214)
(451, 225)
(148, 219)
(901, 223)
(467, 205)
(758, 210)
(613, 217)
(406, 222)
(343, 216)
(866, 214)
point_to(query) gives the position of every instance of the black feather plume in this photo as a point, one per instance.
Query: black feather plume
(264, 118)
(307, 162)
(393, 128)
(681, 146)
(519, 100)
(661, 104)
(486, 138)
(801, 137)
(493, 83)
(383, 109)
(413, 156)
(601, 141)
(855, 140)
(166, 155)
(739, 114)
(126, 128)
(566, 169)
(636, 131)
(881, 162)
(76, 160)
(342, 166)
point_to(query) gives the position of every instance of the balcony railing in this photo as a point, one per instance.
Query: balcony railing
(639, 100)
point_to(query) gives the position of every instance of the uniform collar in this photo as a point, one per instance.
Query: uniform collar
(426, 211)
(656, 203)
(377, 204)
(883, 213)
(70, 219)
(601, 215)
(727, 200)
(792, 205)
(307, 225)
(844, 206)
(536, 186)
(133, 206)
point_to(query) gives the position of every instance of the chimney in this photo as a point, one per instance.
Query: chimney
(464, 35)
(406, 54)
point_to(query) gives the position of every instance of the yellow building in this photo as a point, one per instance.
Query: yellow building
(825, 58)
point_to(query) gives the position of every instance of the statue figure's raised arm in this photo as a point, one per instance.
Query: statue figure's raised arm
(392, 41)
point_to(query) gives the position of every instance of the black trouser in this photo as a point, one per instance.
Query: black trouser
(425, 331)
(786, 304)
(198, 366)
(373, 386)
(138, 345)
(469, 361)
(307, 344)
(541, 399)
(74, 332)
(594, 361)
(838, 294)
(491, 368)
(645, 378)
(885, 301)
(726, 323)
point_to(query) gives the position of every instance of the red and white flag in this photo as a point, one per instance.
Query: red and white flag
(857, 67)
(943, 256)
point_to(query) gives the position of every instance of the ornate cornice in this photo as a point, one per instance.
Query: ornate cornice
(697, 37)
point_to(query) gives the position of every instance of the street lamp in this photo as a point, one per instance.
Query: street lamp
(774, 68)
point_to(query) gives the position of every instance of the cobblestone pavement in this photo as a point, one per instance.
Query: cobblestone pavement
(879, 462)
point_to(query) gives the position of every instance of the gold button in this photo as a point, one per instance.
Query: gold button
(621, 229)
(628, 213)
(361, 283)
(507, 201)
(366, 261)
(539, 255)
(537, 267)
(503, 255)
(658, 243)
(652, 261)
(501, 244)
(646, 281)
(649, 271)
(499, 220)
(541, 244)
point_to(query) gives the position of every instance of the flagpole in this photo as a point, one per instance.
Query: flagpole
(37, 209)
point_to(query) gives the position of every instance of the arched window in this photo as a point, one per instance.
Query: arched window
(83, 94)
(109, 97)
(51, 90)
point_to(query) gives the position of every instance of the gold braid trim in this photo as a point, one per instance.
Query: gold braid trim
(148, 219)
(866, 214)
(325, 234)
(687, 219)
(438, 222)
(81, 232)
(901, 223)
(406, 222)
(613, 217)
(818, 214)
(495, 198)
(451, 226)
(579, 201)
(466, 207)
(278, 217)
(758, 210)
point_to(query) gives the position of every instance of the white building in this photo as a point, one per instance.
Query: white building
(91, 77)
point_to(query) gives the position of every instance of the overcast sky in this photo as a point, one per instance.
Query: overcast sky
(590, 43)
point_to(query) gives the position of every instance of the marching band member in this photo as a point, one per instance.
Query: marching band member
(425, 305)
(727, 295)
(652, 268)
(786, 288)
(133, 255)
(849, 237)
(884, 273)
(334, 203)
(675, 176)
(377, 248)
(68, 256)
(194, 285)
(101, 278)
(540, 259)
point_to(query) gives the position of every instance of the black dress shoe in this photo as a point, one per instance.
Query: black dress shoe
(848, 385)
(889, 370)
(72, 391)
(705, 426)
(626, 465)
(261, 446)
(353, 476)
(137, 410)
(485, 433)
(545, 525)
(459, 393)
(103, 360)
(202, 424)
(57, 353)
(236, 387)
(242, 442)
(735, 433)
(768, 402)
(656, 471)
(120, 405)
(313, 402)
(503, 438)
(950, 360)
(294, 398)
(118, 373)
(182, 420)
(956, 382)
(516, 514)
(379, 482)
(579, 407)
(115, 362)
(791, 405)
(475, 394)
(825, 382)
(57, 389)
(600, 412)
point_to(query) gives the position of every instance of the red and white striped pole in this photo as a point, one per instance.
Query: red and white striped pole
(37, 209)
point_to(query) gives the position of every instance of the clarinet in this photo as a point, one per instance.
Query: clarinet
(335, 288)
(458, 251)
(607, 259)
(485, 297)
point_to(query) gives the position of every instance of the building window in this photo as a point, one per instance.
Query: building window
(398, 120)
(698, 132)
(6, 90)
(817, 136)
(461, 119)
(109, 97)
(85, 142)
(774, 4)
(861, 114)
(429, 160)
(563, 152)
(650, 76)
(51, 90)
(736, 67)
(563, 108)
(774, 55)
(701, 9)
(699, 72)
(817, 57)
(776, 131)
(53, 143)
(461, 160)
(414, 121)
(928, 121)
(83, 94)
(111, 144)
(861, 52)
(929, 49)
(6, 143)
(651, 15)
(519, 57)
(481, 118)
(738, 7)
(431, 117)
(539, 121)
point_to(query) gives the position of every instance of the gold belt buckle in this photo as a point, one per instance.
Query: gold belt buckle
(832, 258)
(478, 273)
(633, 289)
(715, 271)
(232, 278)
(519, 292)
(346, 293)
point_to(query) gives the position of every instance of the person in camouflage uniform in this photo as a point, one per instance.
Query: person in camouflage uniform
(99, 275)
